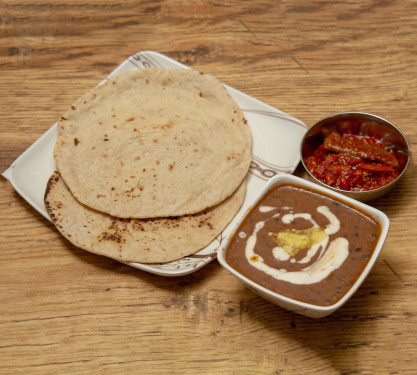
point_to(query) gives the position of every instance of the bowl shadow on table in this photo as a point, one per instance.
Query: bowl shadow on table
(103, 262)
(178, 288)
(186, 295)
(113, 265)
(333, 339)
(169, 283)
(337, 338)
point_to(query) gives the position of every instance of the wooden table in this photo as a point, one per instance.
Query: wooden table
(64, 310)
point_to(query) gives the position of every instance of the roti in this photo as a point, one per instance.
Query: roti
(154, 143)
(136, 240)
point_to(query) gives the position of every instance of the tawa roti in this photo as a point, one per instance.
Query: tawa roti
(154, 143)
(136, 240)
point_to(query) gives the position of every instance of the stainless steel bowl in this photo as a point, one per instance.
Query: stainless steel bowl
(363, 124)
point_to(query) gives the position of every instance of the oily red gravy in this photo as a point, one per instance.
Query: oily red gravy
(303, 245)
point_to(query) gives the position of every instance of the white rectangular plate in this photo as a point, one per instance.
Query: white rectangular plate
(276, 142)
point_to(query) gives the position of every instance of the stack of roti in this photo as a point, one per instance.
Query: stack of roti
(151, 166)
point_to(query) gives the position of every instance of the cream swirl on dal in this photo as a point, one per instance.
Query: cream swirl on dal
(331, 256)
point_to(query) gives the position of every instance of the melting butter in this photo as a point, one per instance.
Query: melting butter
(294, 240)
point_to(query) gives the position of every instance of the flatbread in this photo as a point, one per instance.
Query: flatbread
(154, 143)
(136, 240)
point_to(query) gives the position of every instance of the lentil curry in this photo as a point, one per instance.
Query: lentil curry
(303, 245)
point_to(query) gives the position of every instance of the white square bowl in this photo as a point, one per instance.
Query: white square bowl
(306, 309)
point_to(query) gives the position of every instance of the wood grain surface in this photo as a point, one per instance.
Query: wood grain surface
(66, 311)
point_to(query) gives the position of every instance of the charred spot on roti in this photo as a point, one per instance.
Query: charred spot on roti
(205, 221)
(116, 237)
(137, 226)
(233, 156)
(54, 178)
